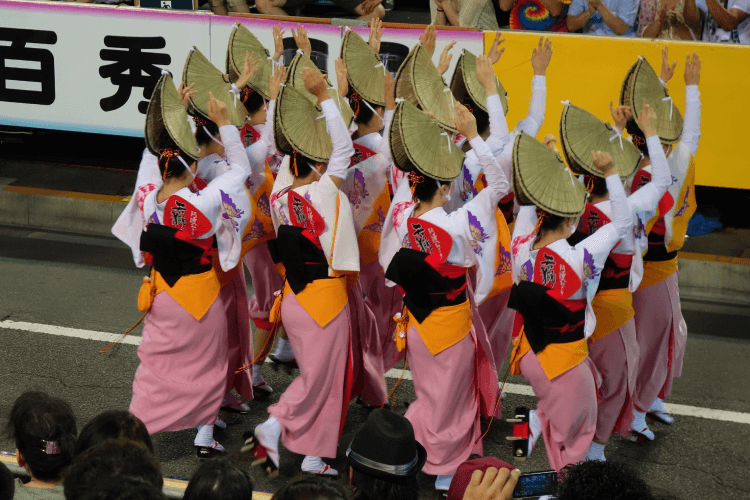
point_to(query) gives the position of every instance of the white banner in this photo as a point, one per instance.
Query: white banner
(92, 68)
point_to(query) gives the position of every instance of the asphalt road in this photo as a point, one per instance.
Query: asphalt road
(91, 284)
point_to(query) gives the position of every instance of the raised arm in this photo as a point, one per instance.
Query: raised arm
(260, 150)
(499, 137)
(390, 106)
(647, 198)
(540, 59)
(691, 127)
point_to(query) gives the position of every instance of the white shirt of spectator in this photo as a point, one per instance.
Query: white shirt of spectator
(712, 32)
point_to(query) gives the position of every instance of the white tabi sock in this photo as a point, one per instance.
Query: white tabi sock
(596, 452)
(658, 406)
(535, 430)
(640, 426)
(205, 437)
(257, 376)
(283, 350)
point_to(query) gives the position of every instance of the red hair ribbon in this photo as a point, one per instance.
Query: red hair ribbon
(541, 214)
(357, 100)
(414, 179)
(470, 108)
(589, 183)
(245, 94)
(638, 140)
(294, 163)
(200, 121)
(167, 153)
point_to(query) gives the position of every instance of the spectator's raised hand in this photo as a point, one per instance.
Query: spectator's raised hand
(428, 39)
(217, 111)
(667, 71)
(315, 83)
(620, 115)
(466, 123)
(390, 94)
(541, 56)
(376, 33)
(186, 93)
(647, 120)
(495, 51)
(493, 484)
(274, 83)
(692, 69)
(278, 42)
(341, 77)
(486, 75)
(249, 68)
(300, 38)
(445, 58)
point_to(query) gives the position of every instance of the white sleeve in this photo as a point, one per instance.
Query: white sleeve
(691, 127)
(534, 120)
(499, 137)
(385, 145)
(525, 223)
(259, 151)
(497, 183)
(340, 138)
(647, 198)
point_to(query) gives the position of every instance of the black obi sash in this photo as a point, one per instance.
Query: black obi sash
(304, 262)
(616, 272)
(657, 250)
(425, 288)
(174, 255)
(545, 319)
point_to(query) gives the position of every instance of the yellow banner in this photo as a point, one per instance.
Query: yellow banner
(588, 71)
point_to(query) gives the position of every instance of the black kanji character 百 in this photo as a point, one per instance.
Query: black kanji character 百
(127, 70)
(17, 50)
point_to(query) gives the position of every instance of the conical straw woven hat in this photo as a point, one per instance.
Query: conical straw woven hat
(418, 139)
(300, 126)
(581, 133)
(419, 82)
(207, 78)
(166, 112)
(240, 41)
(364, 70)
(542, 178)
(465, 82)
(294, 78)
(642, 82)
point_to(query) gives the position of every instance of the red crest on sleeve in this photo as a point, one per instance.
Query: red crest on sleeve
(592, 219)
(303, 214)
(430, 239)
(361, 153)
(555, 273)
(182, 215)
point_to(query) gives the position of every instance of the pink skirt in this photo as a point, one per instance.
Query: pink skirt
(567, 409)
(662, 333)
(385, 302)
(266, 281)
(182, 376)
(445, 415)
(498, 321)
(313, 408)
(367, 351)
(240, 347)
(616, 359)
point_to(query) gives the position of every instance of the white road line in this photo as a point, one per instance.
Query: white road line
(394, 373)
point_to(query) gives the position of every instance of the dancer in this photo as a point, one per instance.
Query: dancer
(427, 252)
(659, 325)
(612, 346)
(552, 277)
(183, 371)
(317, 245)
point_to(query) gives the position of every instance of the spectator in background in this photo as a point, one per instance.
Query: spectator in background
(670, 19)
(113, 424)
(219, 479)
(7, 487)
(727, 21)
(44, 430)
(603, 17)
(384, 458)
(467, 13)
(536, 15)
(310, 488)
(367, 9)
(125, 488)
(599, 480)
(93, 469)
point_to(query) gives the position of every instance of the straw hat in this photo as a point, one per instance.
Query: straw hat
(240, 41)
(364, 70)
(294, 79)
(166, 112)
(419, 82)
(642, 82)
(418, 139)
(465, 82)
(542, 179)
(297, 126)
(581, 133)
(207, 78)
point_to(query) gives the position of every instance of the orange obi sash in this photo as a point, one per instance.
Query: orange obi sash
(441, 329)
(657, 271)
(194, 292)
(555, 359)
(322, 299)
(612, 308)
